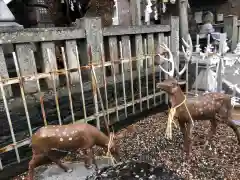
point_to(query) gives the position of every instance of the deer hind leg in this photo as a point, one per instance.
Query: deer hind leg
(211, 132)
(235, 129)
(58, 162)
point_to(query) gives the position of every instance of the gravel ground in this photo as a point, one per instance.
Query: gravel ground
(144, 143)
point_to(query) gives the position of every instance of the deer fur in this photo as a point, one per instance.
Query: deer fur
(213, 106)
(48, 141)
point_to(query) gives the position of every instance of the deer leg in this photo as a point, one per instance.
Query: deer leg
(211, 132)
(35, 161)
(235, 129)
(93, 159)
(183, 130)
(59, 163)
(87, 159)
(189, 139)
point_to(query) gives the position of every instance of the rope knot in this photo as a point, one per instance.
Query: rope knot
(171, 115)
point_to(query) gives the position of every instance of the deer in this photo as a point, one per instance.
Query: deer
(48, 142)
(213, 106)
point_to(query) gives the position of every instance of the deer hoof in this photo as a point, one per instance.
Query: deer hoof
(69, 170)
(89, 166)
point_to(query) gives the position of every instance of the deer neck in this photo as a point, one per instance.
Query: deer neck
(102, 140)
(177, 98)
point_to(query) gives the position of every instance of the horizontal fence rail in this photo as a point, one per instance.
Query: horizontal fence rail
(58, 76)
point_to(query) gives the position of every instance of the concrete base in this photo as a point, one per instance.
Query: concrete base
(10, 26)
(79, 172)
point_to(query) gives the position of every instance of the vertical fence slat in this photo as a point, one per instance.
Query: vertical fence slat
(113, 44)
(123, 77)
(51, 55)
(131, 75)
(9, 121)
(93, 27)
(113, 49)
(174, 39)
(150, 49)
(146, 69)
(166, 65)
(72, 59)
(104, 80)
(22, 93)
(125, 51)
(49, 64)
(68, 83)
(81, 84)
(139, 57)
(160, 42)
(4, 73)
(27, 65)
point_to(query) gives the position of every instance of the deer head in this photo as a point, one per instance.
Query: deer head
(171, 85)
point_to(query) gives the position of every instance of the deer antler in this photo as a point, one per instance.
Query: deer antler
(187, 53)
(171, 72)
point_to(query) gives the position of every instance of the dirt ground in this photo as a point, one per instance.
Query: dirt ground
(144, 144)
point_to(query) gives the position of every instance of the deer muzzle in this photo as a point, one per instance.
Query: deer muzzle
(163, 86)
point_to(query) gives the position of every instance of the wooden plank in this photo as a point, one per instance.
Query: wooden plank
(94, 37)
(49, 62)
(72, 59)
(159, 50)
(231, 28)
(135, 7)
(174, 40)
(27, 65)
(41, 34)
(4, 73)
(126, 51)
(139, 51)
(93, 27)
(128, 30)
(150, 48)
(113, 48)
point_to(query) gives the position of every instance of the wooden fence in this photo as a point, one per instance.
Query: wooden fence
(38, 92)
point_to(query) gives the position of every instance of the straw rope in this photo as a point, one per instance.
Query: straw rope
(109, 155)
(171, 115)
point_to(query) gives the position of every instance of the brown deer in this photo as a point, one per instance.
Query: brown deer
(213, 106)
(49, 141)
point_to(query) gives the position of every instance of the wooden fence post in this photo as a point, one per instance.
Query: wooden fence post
(49, 62)
(94, 37)
(231, 28)
(27, 65)
(174, 39)
(4, 73)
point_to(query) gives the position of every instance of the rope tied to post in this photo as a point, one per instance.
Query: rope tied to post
(111, 137)
(171, 116)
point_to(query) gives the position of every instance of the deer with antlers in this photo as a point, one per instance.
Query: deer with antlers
(213, 106)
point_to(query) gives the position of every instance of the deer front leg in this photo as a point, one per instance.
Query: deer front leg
(183, 130)
(36, 159)
(189, 139)
(93, 159)
(87, 159)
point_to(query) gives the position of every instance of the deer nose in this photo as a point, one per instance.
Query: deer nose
(159, 85)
